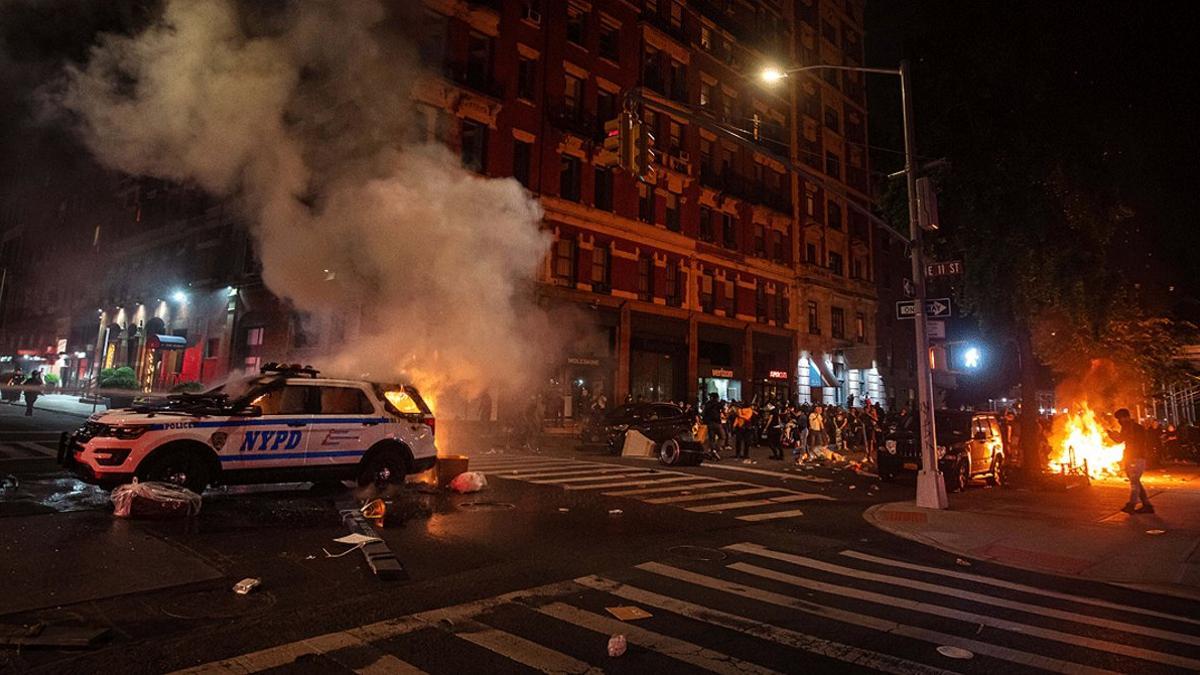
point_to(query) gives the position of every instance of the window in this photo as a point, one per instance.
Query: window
(810, 203)
(645, 203)
(345, 401)
(576, 25)
(760, 301)
(610, 41)
(287, 400)
(526, 79)
(432, 44)
(564, 260)
(674, 137)
(729, 229)
(814, 318)
(810, 253)
(781, 308)
(600, 268)
(676, 15)
(606, 105)
(706, 38)
(860, 327)
(479, 60)
(779, 254)
(212, 348)
(573, 97)
(473, 137)
(831, 119)
(706, 225)
(856, 267)
(646, 278)
(731, 304)
(673, 212)
(604, 189)
(833, 165)
(569, 178)
(679, 81)
(707, 298)
(672, 289)
(835, 263)
(834, 214)
(254, 337)
(837, 322)
(522, 153)
(300, 336)
(760, 240)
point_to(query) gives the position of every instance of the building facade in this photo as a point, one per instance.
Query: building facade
(747, 266)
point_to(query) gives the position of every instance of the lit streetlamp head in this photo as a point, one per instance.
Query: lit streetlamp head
(179, 296)
(771, 75)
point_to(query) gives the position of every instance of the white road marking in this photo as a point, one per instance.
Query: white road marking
(755, 517)
(680, 650)
(756, 628)
(867, 621)
(709, 495)
(590, 478)
(674, 488)
(1040, 610)
(644, 481)
(513, 647)
(1032, 590)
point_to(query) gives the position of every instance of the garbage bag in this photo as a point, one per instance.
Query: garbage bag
(471, 481)
(153, 499)
(616, 645)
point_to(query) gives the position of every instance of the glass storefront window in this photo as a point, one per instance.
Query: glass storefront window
(726, 389)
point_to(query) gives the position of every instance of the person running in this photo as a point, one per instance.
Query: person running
(711, 416)
(33, 389)
(1134, 437)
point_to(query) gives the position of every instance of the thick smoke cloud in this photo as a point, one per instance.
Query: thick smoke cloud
(301, 114)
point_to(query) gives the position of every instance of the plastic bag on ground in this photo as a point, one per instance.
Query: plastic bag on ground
(154, 500)
(616, 645)
(471, 481)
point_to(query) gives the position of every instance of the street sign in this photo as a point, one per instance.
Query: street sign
(950, 268)
(936, 308)
(936, 329)
(909, 290)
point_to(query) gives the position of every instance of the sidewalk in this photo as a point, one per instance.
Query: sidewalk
(1080, 533)
(67, 404)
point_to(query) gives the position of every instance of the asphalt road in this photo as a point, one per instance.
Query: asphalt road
(742, 568)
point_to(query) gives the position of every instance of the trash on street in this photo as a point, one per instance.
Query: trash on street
(629, 613)
(471, 481)
(616, 645)
(153, 499)
(246, 585)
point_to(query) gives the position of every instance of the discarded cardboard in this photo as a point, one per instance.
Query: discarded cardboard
(629, 613)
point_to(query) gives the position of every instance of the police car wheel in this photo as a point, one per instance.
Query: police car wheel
(382, 468)
(178, 467)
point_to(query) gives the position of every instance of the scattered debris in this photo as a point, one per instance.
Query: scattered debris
(246, 585)
(310, 557)
(962, 563)
(615, 512)
(616, 645)
(1156, 532)
(471, 481)
(42, 635)
(563, 509)
(9, 482)
(153, 499)
(379, 557)
(955, 652)
(629, 613)
(853, 487)
(375, 510)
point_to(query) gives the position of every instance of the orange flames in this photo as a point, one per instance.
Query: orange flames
(1079, 439)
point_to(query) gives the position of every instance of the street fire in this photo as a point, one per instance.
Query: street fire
(1079, 442)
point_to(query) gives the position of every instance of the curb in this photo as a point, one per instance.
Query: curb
(1163, 588)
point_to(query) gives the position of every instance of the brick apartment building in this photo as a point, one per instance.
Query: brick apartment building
(732, 272)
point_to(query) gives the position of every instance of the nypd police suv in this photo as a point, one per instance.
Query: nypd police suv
(289, 423)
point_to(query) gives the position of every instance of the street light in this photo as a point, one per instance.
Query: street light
(179, 296)
(931, 489)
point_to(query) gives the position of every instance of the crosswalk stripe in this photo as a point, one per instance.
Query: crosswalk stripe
(644, 481)
(629, 473)
(709, 495)
(39, 450)
(708, 483)
(755, 517)
(972, 617)
(680, 650)
(750, 503)
(1010, 585)
(525, 474)
(515, 647)
(522, 466)
(1042, 610)
(864, 658)
(867, 621)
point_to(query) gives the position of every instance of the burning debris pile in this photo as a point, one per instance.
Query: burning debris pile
(1080, 444)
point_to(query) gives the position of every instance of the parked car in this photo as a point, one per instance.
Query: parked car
(968, 445)
(666, 424)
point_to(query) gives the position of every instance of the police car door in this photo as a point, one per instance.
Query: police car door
(345, 426)
(278, 437)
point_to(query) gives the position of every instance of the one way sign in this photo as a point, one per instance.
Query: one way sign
(936, 308)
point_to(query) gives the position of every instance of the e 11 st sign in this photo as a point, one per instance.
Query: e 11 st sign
(950, 268)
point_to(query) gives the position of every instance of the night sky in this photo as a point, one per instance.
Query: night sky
(1111, 82)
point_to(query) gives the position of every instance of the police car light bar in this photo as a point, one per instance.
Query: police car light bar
(289, 369)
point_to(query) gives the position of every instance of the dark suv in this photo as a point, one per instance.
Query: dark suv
(968, 445)
(664, 423)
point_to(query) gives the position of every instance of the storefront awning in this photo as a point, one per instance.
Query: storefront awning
(826, 371)
(166, 342)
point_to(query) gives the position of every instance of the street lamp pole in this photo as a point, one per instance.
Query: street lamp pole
(931, 489)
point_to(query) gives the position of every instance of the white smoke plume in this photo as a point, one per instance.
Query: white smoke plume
(301, 114)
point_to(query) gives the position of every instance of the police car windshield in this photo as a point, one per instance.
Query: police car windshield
(238, 390)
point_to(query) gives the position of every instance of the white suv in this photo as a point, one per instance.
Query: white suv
(287, 424)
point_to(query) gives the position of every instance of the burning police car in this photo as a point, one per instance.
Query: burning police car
(287, 424)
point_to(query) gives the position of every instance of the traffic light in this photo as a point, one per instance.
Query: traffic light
(644, 153)
(619, 136)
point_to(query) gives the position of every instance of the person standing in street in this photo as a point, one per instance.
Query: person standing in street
(33, 389)
(816, 430)
(711, 416)
(1134, 437)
